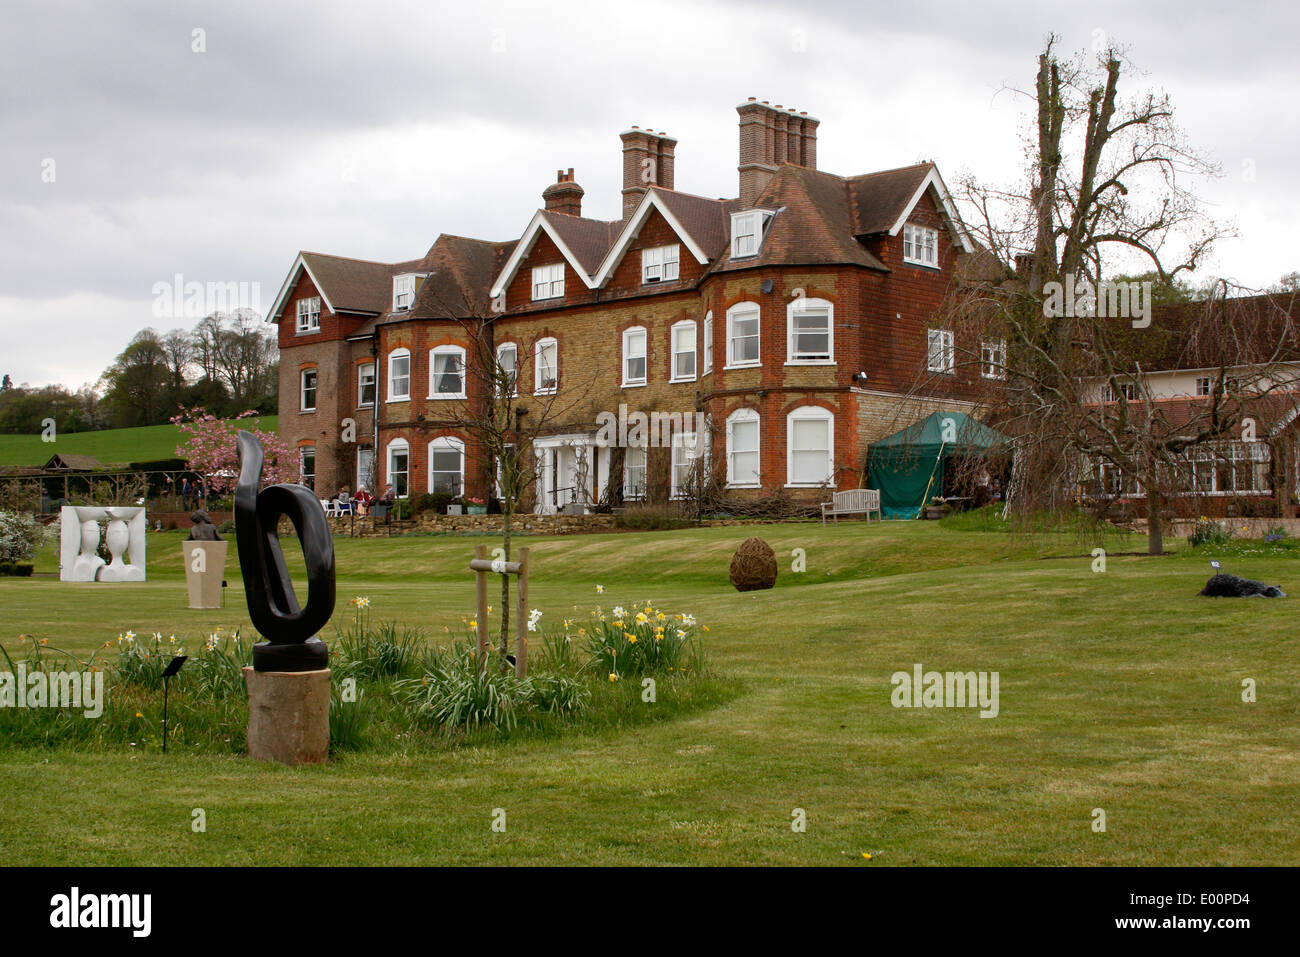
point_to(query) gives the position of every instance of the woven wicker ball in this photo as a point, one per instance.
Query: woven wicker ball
(753, 566)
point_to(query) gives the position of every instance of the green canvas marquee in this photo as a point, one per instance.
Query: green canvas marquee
(907, 463)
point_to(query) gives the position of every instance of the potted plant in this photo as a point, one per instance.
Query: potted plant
(475, 506)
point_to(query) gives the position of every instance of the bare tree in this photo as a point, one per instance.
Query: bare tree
(1107, 187)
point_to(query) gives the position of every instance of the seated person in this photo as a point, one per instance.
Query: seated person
(343, 500)
(363, 499)
(203, 529)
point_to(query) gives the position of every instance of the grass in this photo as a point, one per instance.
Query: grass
(110, 446)
(1119, 690)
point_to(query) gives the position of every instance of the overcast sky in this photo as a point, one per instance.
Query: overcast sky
(134, 149)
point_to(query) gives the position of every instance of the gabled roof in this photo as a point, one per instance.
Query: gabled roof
(882, 201)
(700, 223)
(582, 242)
(359, 286)
(72, 462)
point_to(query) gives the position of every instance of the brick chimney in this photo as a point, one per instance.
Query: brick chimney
(564, 195)
(769, 136)
(648, 159)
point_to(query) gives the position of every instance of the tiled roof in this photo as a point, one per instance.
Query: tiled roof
(878, 200)
(587, 239)
(352, 285)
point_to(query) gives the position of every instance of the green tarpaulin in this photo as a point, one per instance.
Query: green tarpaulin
(908, 462)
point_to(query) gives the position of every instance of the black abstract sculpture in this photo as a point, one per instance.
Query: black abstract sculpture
(290, 630)
(1230, 586)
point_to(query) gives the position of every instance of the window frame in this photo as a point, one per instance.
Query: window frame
(305, 452)
(656, 258)
(745, 307)
(947, 351)
(397, 445)
(629, 333)
(911, 233)
(444, 443)
(997, 364)
(810, 413)
(361, 385)
(748, 224)
(512, 347)
(434, 354)
(302, 388)
(1209, 386)
(545, 275)
(538, 349)
(679, 448)
(802, 305)
(707, 365)
(673, 352)
(404, 285)
(312, 313)
(637, 496)
(393, 355)
(737, 417)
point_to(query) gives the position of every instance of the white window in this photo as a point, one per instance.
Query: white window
(688, 460)
(633, 473)
(546, 367)
(366, 384)
(708, 342)
(747, 232)
(683, 352)
(309, 314)
(810, 446)
(548, 281)
(399, 375)
(634, 356)
(307, 393)
(508, 368)
(1203, 386)
(365, 467)
(399, 467)
(941, 354)
(403, 293)
(1129, 390)
(307, 465)
(660, 264)
(993, 358)
(920, 245)
(447, 372)
(742, 335)
(809, 331)
(742, 449)
(447, 465)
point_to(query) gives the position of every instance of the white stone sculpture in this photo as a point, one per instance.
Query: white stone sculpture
(79, 537)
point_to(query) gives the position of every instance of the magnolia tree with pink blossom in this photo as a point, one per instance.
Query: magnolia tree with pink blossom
(210, 449)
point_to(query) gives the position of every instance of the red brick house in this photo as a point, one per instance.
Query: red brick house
(796, 319)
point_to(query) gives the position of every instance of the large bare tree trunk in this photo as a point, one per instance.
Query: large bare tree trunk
(1155, 526)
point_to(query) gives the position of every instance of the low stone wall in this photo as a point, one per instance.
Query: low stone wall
(368, 527)
(1241, 527)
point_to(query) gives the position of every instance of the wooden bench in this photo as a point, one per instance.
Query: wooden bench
(855, 501)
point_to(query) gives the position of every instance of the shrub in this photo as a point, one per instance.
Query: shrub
(432, 502)
(1209, 532)
(16, 570)
(20, 536)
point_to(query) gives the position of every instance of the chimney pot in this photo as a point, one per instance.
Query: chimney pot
(564, 195)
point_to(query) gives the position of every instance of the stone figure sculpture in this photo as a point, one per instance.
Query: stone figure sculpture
(80, 536)
(289, 629)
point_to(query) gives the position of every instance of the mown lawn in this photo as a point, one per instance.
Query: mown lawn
(111, 446)
(1119, 690)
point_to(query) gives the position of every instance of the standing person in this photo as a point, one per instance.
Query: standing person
(389, 496)
(200, 493)
(186, 493)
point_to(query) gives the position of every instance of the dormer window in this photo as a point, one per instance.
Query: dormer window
(403, 292)
(747, 232)
(548, 281)
(920, 245)
(660, 264)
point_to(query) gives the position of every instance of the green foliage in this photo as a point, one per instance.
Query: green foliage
(643, 641)
(1207, 531)
(20, 536)
(647, 518)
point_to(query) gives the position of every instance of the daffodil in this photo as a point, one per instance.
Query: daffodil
(619, 612)
(600, 589)
(473, 624)
(641, 619)
(613, 676)
(631, 639)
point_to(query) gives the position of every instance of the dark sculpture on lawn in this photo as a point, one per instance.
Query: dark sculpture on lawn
(290, 630)
(1230, 586)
